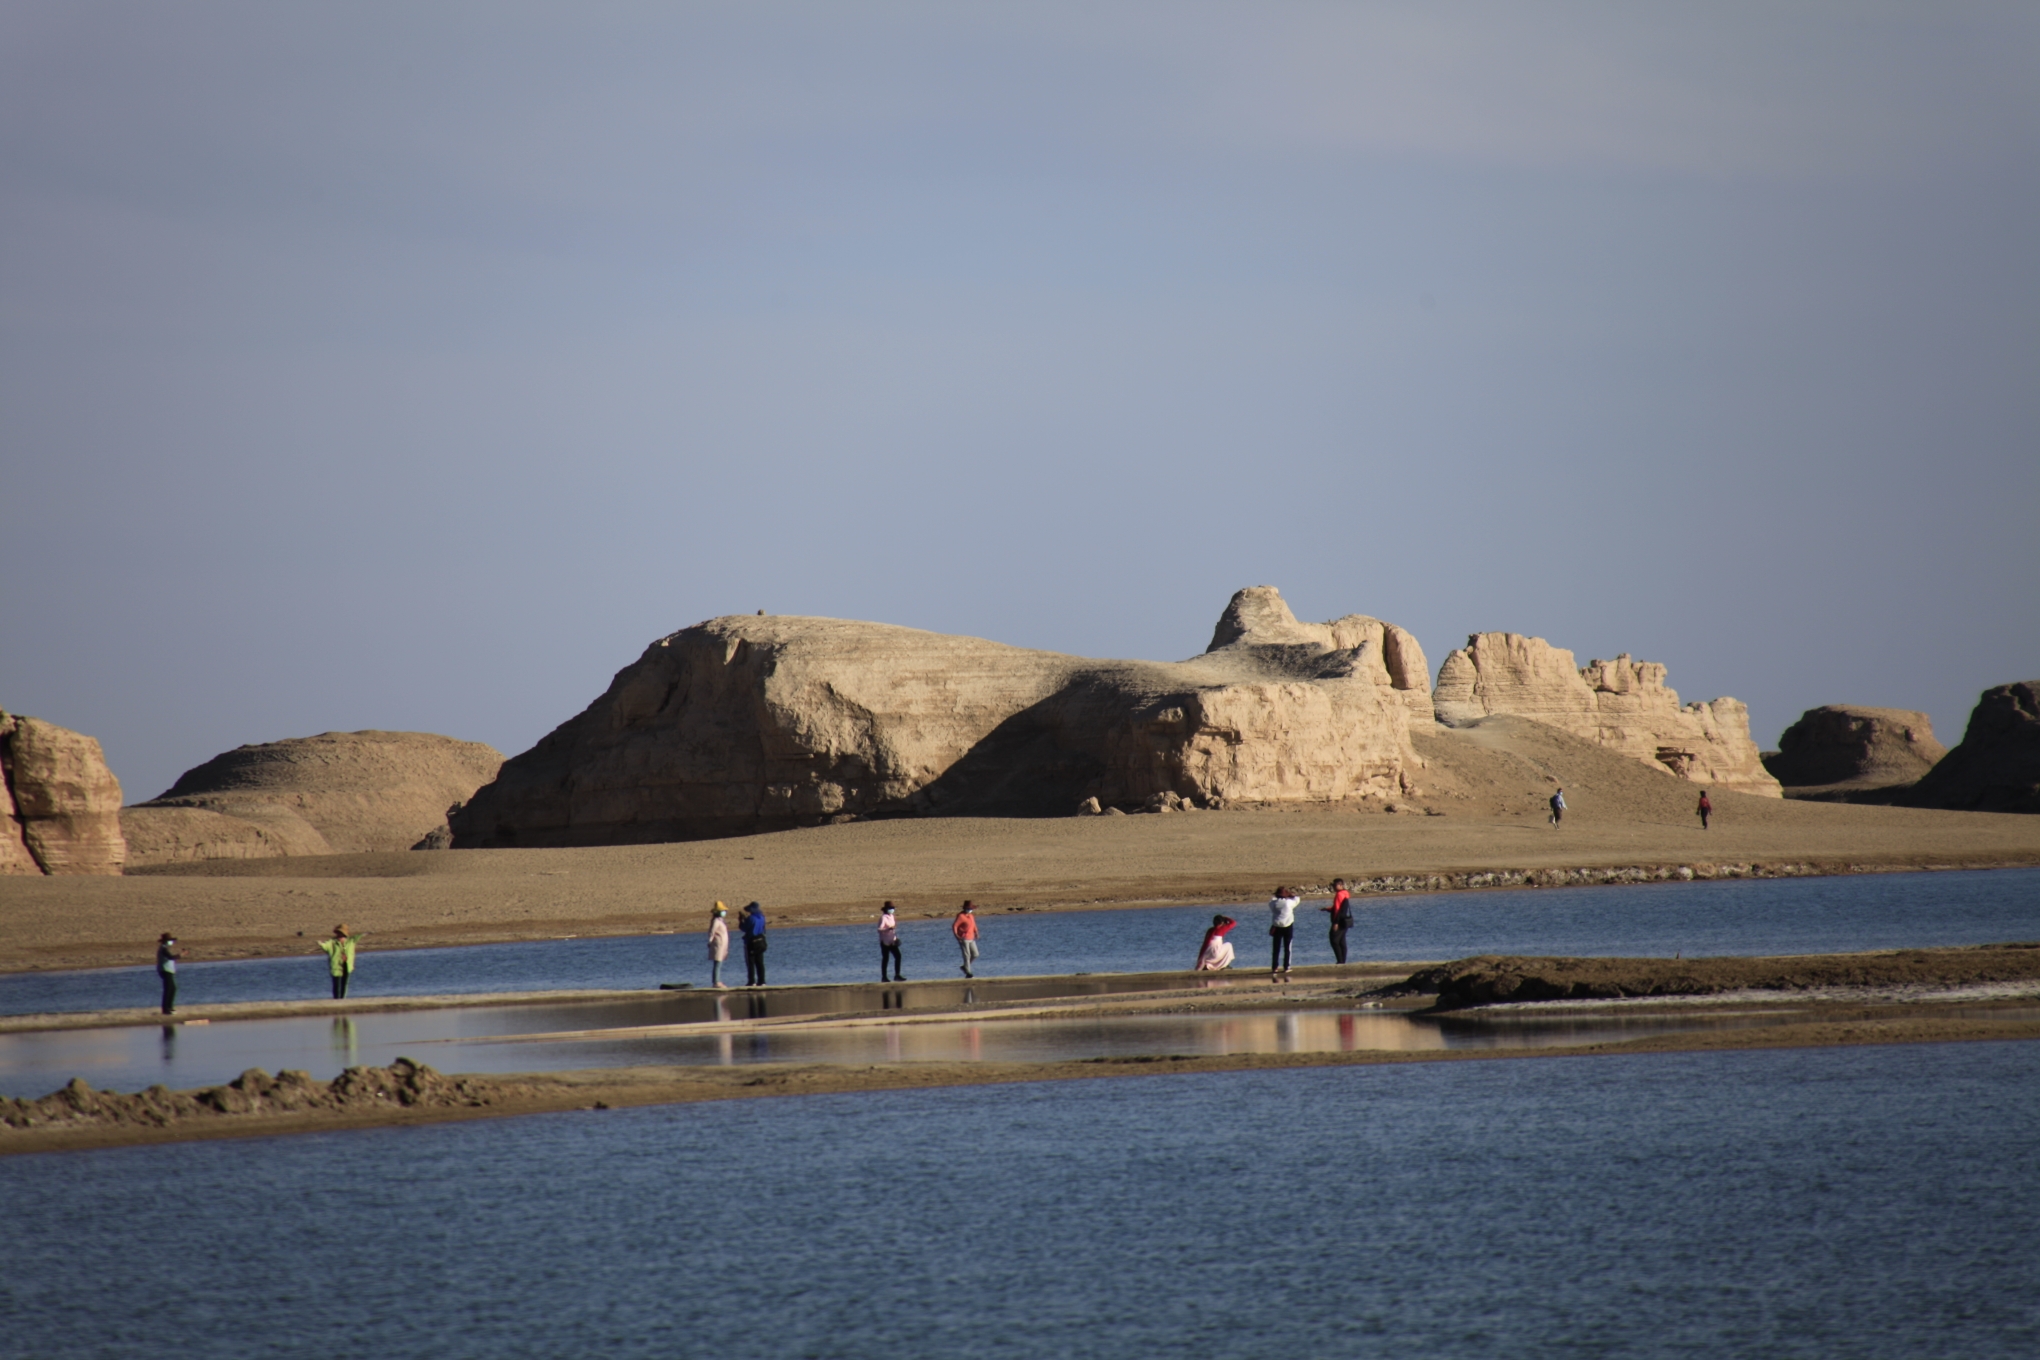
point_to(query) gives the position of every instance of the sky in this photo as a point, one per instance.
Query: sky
(415, 365)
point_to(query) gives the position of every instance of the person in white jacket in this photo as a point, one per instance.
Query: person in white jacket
(1281, 932)
(718, 943)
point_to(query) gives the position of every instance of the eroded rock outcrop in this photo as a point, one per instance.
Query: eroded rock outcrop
(1997, 766)
(336, 793)
(748, 723)
(1847, 752)
(1623, 705)
(61, 806)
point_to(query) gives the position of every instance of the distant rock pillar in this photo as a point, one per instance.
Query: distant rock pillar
(61, 797)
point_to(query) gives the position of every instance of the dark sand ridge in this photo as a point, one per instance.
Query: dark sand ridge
(1489, 783)
(257, 1104)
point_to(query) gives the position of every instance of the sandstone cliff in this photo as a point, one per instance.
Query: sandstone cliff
(1997, 766)
(60, 809)
(1622, 704)
(747, 723)
(1848, 753)
(336, 793)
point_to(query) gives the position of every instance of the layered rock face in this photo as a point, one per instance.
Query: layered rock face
(1842, 750)
(336, 793)
(1623, 705)
(746, 723)
(60, 808)
(1997, 766)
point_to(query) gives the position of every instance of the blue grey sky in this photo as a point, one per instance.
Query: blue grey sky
(414, 365)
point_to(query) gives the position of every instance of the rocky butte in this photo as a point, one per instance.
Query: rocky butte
(1849, 753)
(1623, 705)
(748, 723)
(1997, 766)
(59, 804)
(336, 793)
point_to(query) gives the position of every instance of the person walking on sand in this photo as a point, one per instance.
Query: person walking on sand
(166, 969)
(1557, 807)
(718, 944)
(1281, 932)
(964, 928)
(752, 923)
(1342, 918)
(1706, 809)
(1215, 955)
(889, 945)
(340, 959)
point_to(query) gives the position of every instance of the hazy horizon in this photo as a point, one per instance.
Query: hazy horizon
(414, 367)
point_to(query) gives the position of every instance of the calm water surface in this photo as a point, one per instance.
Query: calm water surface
(1860, 1202)
(1775, 916)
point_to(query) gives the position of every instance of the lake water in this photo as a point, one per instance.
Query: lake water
(1747, 916)
(1860, 1202)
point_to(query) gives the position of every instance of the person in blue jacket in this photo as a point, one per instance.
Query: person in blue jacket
(752, 923)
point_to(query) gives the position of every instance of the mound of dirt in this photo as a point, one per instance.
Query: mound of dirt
(336, 793)
(1491, 979)
(1848, 753)
(1507, 765)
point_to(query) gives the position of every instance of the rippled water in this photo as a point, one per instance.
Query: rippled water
(1767, 916)
(1861, 1202)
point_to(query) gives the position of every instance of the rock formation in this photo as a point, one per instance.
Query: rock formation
(336, 793)
(1621, 704)
(59, 804)
(747, 723)
(1997, 766)
(1843, 752)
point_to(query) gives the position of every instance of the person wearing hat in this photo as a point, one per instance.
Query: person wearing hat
(340, 959)
(964, 928)
(166, 969)
(752, 924)
(718, 943)
(889, 945)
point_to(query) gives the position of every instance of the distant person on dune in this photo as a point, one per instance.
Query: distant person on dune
(718, 943)
(889, 945)
(965, 929)
(166, 969)
(1706, 809)
(340, 959)
(1557, 807)
(752, 924)
(1342, 918)
(1215, 954)
(1281, 932)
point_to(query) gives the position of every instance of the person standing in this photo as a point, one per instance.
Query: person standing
(1342, 918)
(752, 923)
(1281, 932)
(965, 929)
(1557, 807)
(889, 945)
(1706, 809)
(166, 969)
(340, 959)
(1216, 953)
(718, 944)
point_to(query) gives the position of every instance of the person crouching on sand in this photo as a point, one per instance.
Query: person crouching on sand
(718, 943)
(964, 928)
(889, 945)
(340, 959)
(1216, 953)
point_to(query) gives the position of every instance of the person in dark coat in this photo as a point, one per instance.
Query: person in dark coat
(752, 923)
(166, 969)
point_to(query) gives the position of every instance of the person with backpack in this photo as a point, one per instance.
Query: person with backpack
(1558, 807)
(718, 944)
(340, 959)
(1706, 809)
(752, 924)
(1342, 918)
(889, 945)
(166, 969)
(1281, 932)
(965, 929)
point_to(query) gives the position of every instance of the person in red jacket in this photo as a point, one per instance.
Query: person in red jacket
(1342, 918)
(1216, 952)
(964, 928)
(1706, 809)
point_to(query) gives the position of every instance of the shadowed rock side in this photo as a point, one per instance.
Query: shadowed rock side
(1848, 753)
(1997, 766)
(59, 804)
(747, 723)
(1622, 704)
(336, 793)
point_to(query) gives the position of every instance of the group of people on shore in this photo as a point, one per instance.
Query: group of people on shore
(752, 926)
(337, 947)
(1215, 953)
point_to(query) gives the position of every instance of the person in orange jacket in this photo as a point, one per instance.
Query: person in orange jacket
(964, 928)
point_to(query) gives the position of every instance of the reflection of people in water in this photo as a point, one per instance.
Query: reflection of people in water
(344, 1039)
(1216, 952)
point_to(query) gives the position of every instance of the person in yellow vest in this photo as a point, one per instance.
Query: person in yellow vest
(340, 958)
